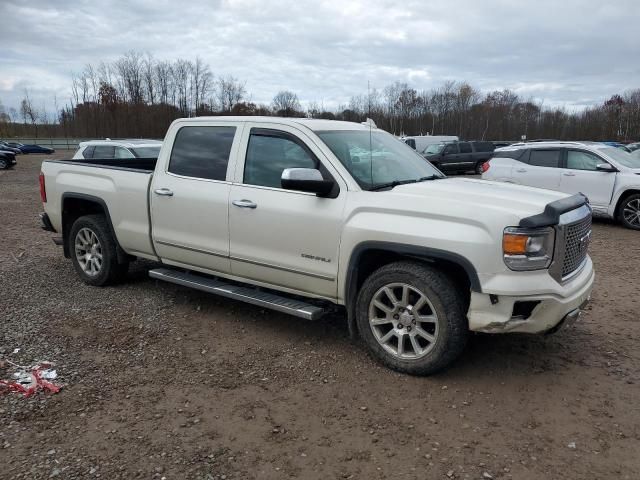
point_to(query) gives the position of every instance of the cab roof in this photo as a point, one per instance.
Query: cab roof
(314, 124)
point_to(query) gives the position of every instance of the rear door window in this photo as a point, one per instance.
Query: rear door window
(123, 153)
(103, 151)
(465, 147)
(544, 158)
(202, 152)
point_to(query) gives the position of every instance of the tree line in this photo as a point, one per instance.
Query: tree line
(139, 96)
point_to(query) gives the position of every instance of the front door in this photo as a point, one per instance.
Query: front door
(190, 199)
(281, 237)
(581, 176)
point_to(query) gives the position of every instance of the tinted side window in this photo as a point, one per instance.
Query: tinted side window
(123, 153)
(465, 147)
(103, 151)
(411, 142)
(483, 146)
(450, 149)
(88, 152)
(545, 158)
(579, 160)
(268, 155)
(202, 152)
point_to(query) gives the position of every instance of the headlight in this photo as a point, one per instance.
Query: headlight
(528, 249)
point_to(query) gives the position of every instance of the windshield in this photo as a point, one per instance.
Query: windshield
(434, 149)
(623, 158)
(376, 158)
(146, 152)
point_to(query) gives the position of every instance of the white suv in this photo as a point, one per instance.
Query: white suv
(113, 149)
(608, 176)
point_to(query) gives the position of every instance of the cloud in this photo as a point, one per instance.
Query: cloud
(570, 53)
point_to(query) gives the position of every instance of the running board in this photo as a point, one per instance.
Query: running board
(297, 308)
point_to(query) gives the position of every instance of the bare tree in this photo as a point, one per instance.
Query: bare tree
(230, 91)
(286, 104)
(29, 112)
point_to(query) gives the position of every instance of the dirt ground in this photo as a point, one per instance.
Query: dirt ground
(165, 382)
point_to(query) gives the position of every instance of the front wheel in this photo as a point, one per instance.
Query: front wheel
(411, 317)
(94, 252)
(4, 164)
(629, 212)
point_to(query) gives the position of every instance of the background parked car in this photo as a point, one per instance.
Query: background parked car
(459, 156)
(31, 148)
(7, 159)
(607, 175)
(634, 146)
(7, 148)
(111, 149)
(420, 142)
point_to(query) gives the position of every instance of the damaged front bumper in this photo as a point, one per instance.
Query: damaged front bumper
(542, 313)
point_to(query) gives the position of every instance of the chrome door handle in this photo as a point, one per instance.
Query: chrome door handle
(164, 192)
(244, 203)
(569, 174)
(521, 170)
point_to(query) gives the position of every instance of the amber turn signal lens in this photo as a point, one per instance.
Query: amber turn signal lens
(514, 244)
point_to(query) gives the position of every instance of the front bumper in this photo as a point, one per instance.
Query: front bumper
(495, 313)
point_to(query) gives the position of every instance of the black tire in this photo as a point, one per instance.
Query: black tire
(4, 164)
(448, 304)
(629, 202)
(478, 168)
(110, 271)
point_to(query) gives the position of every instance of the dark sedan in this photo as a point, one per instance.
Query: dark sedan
(31, 148)
(5, 147)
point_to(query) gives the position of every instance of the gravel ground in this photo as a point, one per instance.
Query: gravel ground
(164, 382)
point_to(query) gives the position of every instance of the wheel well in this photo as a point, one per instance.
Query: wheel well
(74, 207)
(622, 198)
(369, 260)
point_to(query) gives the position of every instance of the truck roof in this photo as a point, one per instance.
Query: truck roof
(311, 123)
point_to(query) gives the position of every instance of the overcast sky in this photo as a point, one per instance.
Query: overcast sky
(567, 52)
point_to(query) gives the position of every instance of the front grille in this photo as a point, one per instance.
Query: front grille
(577, 238)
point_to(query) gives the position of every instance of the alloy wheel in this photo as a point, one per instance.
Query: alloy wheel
(403, 321)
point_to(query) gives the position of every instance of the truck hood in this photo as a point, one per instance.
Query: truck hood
(481, 196)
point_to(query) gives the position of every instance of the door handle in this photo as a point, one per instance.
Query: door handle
(521, 170)
(164, 192)
(569, 174)
(244, 203)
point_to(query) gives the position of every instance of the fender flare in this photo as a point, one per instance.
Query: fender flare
(122, 255)
(426, 253)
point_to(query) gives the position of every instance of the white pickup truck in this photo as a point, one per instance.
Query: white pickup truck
(303, 215)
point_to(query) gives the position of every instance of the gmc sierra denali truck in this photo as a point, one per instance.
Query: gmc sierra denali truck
(302, 215)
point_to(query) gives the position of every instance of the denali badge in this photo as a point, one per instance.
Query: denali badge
(313, 257)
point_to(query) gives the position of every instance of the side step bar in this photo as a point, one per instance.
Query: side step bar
(297, 308)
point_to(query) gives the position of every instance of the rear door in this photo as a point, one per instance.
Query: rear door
(542, 168)
(284, 237)
(465, 157)
(579, 175)
(190, 197)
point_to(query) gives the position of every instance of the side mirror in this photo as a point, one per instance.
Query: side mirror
(605, 167)
(306, 180)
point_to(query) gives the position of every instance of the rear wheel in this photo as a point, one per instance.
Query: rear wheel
(94, 252)
(629, 211)
(479, 168)
(411, 316)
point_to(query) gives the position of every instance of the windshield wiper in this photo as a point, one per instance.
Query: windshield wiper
(395, 183)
